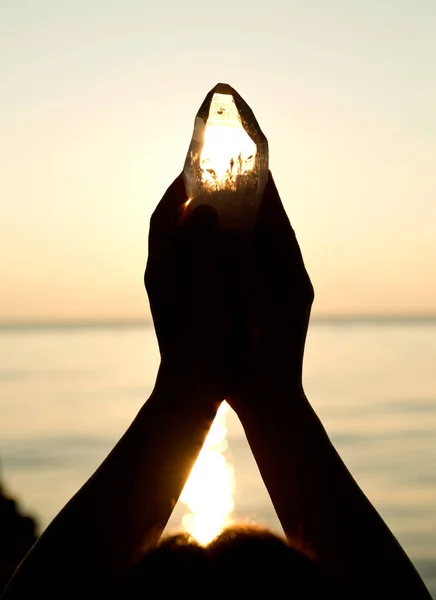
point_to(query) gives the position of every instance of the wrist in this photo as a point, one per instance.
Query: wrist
(267, 388)
(274, 363)
(289, 411)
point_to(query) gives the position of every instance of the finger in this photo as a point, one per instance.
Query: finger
(170, 207)
(276, 248)
(163, 225)
(159, 237)
(273, 226)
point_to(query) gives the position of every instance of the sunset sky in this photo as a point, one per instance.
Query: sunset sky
(97, 103)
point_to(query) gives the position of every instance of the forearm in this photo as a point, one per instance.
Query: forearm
(123, 508)
(322, 509)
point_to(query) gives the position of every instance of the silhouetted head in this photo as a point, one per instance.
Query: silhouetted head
(242, 562)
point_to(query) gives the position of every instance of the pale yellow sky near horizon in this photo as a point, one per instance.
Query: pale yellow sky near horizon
(97, 107)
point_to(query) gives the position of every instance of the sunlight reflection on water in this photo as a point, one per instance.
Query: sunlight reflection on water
(209, 491)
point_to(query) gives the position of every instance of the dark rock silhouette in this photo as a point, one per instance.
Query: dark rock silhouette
(18, 533)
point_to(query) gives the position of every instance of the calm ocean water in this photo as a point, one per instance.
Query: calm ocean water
(68, 393)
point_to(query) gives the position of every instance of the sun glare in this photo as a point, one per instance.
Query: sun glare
(228, 150)
(208, 493)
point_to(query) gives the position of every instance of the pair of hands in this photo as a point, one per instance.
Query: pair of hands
(230, 313)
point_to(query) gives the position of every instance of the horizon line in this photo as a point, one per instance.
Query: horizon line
(128, 323)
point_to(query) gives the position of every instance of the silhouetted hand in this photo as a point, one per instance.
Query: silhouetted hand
(183, 281)
(278, 296)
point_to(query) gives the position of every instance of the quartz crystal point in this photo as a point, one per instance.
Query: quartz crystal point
(227, 162)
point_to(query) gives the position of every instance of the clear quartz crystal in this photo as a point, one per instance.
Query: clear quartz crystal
(227, 162)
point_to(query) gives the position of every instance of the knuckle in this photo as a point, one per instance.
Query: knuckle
(310, 292)
(148, 277)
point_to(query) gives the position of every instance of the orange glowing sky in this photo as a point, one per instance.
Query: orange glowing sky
(96, 113)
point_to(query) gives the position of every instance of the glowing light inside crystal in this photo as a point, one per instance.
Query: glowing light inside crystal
(208, 493)
(228, 150)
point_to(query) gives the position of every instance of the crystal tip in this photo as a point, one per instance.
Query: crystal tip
(223, 88)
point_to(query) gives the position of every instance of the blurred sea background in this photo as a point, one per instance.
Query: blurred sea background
(68, 392)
